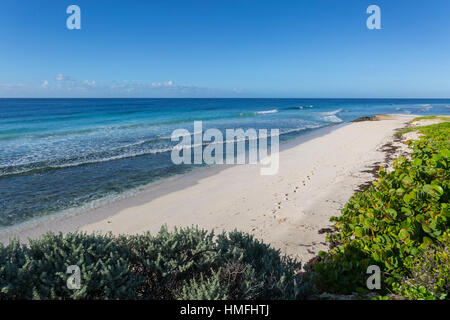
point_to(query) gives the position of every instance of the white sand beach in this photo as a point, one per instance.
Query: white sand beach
(289, 210)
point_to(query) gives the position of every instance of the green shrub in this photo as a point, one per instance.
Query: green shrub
(429, 276)
(269, 274)
(183, 264)
(395, 222)
(168, 259)
(39, 270)
(14, 281)
(205, 289)
(342, 270)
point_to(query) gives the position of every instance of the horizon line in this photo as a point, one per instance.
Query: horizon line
(312, 98)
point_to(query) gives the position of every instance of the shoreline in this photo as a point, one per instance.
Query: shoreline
(71, 219)
(287, 210)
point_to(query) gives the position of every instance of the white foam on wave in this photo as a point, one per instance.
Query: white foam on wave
(330, 116)
(84, 161)
(70, 164)
(412, 108)
(267, 111)
(307, 127)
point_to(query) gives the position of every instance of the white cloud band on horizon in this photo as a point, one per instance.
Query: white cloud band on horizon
(67, 86)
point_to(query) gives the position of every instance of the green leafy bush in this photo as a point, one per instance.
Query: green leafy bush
(404, 214)
(430, 275)
(183, 264)
(342, 270)
(168, 259)
(38, 271)
(204, 289)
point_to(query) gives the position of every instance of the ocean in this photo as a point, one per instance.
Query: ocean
(58, 155)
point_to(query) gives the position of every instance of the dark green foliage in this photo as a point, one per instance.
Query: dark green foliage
(13, 280)
(167, 260)
(430, 275)
(179, 264)
(184, 264)
(265, 273)
(39, 270)
(204, 289)
(342, 270)
(404, 214)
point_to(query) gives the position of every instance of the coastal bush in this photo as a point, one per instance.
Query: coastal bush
(184, 264)
(342, 270)
(13, 280)
(430, 275)
(395, 224)
(205, 289)
(38, 271)
(265, 274)
(168, 259)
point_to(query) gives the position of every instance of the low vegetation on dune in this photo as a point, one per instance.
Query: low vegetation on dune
(183, 264)
(401, 224)
(433, 117)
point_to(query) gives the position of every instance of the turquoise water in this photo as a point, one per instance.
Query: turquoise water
(57, 154)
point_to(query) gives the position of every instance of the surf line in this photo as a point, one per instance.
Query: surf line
(212, 153)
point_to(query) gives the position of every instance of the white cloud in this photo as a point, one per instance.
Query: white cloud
(66, 86)
(89, 83)
(62, 77)
(162, 84)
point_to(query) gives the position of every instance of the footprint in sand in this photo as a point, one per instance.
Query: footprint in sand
(282, 220)
(278, 204)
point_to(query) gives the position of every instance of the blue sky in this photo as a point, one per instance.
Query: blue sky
(225, 48)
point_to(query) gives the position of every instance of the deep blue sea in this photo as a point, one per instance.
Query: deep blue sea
(62, 154)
